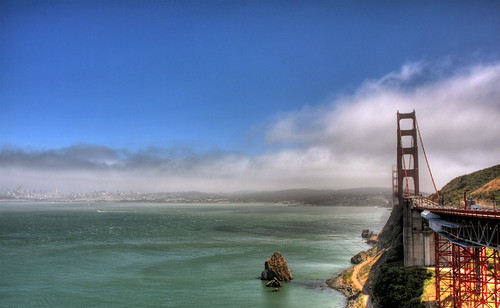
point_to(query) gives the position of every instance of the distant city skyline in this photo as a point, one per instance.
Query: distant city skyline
(220, 96)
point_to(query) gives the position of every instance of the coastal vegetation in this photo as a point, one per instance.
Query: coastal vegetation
(482, 186)
(400, 286)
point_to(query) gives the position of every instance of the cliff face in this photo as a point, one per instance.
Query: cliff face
(389, 247)
(390, 238)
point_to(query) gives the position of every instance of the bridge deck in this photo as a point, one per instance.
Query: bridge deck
(466, 227)
(422, 203)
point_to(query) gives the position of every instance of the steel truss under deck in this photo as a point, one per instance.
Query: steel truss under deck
(466, 275)
(467, 254)
(470, 232)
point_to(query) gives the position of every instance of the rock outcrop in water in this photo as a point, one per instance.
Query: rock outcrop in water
(276, 268)
(369, 237)
(275, 283)
(366, 234)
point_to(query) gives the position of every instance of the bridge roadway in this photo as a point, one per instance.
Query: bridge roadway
(423, 203)
(466, 227)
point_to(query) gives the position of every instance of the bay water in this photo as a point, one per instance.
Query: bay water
(174, 255)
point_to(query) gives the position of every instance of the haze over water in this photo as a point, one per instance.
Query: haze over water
(174, 255)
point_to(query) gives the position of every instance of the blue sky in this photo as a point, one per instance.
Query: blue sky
(219, 81)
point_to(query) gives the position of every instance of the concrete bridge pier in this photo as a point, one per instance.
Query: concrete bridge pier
(418, 238)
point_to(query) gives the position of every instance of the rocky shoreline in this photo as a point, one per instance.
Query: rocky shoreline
(352, 295)
(356, 283)
(347, 282)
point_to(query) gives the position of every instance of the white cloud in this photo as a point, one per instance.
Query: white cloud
(349, 142)
(458, 115)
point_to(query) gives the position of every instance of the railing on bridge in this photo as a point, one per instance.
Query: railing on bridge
(423, 203)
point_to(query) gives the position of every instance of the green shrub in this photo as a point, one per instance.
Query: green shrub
(398, 286)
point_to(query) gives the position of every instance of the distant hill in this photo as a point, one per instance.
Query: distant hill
(355, 196)
(483, 186)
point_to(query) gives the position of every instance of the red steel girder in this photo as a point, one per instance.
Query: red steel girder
(466, 276)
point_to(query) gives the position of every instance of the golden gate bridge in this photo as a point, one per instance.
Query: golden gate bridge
(462, 242)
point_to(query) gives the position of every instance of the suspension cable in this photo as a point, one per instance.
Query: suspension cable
(427, 161)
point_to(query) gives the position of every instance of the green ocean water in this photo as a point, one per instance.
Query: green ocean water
(174, 255)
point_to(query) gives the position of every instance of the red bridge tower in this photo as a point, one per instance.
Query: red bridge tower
(407, 156)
